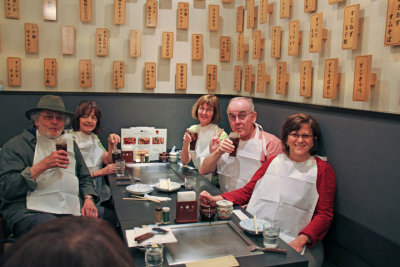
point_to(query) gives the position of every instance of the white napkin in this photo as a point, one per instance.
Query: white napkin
(156, 239)
(240, 214)
(157, 198)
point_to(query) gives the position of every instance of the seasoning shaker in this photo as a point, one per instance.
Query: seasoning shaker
(165, 215)
(158, 215)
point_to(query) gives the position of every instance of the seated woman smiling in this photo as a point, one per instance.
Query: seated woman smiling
(295, 190)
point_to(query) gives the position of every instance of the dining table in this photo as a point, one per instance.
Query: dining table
(132, 214)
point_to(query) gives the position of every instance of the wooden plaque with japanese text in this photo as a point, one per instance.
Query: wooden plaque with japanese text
(237, 82)
(11, 8)
(282, 78)
(276, 39)
(197, 46)
(331, 2)
(118, 74)
(213, 18)
(85, 73)
(211, 77)
(150, 75)
(392, 30)
(294, 38)
(167, 50)
(135, 44)
(181, 76)
(119, 12)
(14, 71)
(265, 8)
(248, 77)
(317, 33)
(239, 19)
(262, 78)
(68, 40)
(241, 47)
(50, 9)
(102, 42)
(50, 72)
(310, 6)
(363, 78)
(251, 14)
(183, 16)
(224, 48)
(85, 8)
(151, 13)
(306, 78)
(284, 8)
(331, 78)
(258, 44)
(351, 27)
(31, 38)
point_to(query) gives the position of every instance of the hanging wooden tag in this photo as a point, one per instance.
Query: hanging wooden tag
(225, 48)
(102, 42)
(248, 77)
(282, 79)
(285, 6)
(242, 48)
(363, 78)
(310, 6)
(331, 2)
(306, 78)
(211, 79)
(262, 78)
(118, 74)
(331, 78)
(85, 7)
(151, 13)
(119, 11)
(237, 82)
(135, 44)
(392, 30)
(85, 73)
(295, 36)
(68, 40)
(351, 27)
(239, 19)
(213, 18)
(50, 72)
(11, 8)
(258, 44)
(31, 38)
(251, 14)
(181, 76)
(197, 46)
(167, 45)
(14, 71)
(265, 8)
(317, 34)
(183, 16)
(150, 75)
(50, 9)
(276, 42)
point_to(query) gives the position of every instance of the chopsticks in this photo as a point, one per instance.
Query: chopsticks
(169, 184)
(135, 197)
(255, 224)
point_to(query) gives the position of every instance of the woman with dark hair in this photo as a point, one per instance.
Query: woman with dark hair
(207, 111)
(295, 189)
(69, 241)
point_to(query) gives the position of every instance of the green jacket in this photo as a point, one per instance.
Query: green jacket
(16, 158)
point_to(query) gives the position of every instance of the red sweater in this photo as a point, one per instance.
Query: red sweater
(323, 213)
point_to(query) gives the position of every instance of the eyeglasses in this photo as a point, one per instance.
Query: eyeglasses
(303, 136)
(240, 116)
(51, 116)
(208, 110)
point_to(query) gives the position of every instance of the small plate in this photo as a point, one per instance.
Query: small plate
(174, 187)
(139, 189)
(248, 225)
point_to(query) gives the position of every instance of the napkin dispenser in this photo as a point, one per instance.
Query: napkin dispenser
(186, 207)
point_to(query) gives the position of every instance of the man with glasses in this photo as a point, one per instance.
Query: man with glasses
(39, 183)
(255, 146)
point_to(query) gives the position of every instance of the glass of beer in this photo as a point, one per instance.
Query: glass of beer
(61, 143)
(116, 154)
(235, 138)
(194, 136)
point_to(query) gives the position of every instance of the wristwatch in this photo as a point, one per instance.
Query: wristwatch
(88, 197)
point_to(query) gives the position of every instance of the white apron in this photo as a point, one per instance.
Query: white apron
(93, 155)
(235, 172)
(57, 188)
(286, 195)
(203, 146)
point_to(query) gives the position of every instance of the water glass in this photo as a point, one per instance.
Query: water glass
(190, 182)
(271, 234)
(120, 165)
(154, 255)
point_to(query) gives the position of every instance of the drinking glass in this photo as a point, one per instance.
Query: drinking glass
(154, 255)
(235, 138)
(194, 137)
(120, 165)
(190, 182)
(271, 234)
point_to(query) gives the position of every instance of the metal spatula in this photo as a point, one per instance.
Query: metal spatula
(277, 250)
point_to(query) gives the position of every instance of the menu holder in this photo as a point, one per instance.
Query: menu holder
(331, 78)
(50, 72)
(50, 9)
(211, 78)
(102, 42)
(265, 8)
(262, 78)
(68, 40)
(186, 207)
(351, 27)
(331, 2)
(310, 6)
(295, 38)
(213, 18)
(183, 16)
(282, 79)
(237, 82)
(150, 75)
(248, 77)
(276, 40)
(14, 71)
(251, 14)
(118, 74)
(119, 12)
(224, 48)
(181, 76)
(392, 29)
(284, 8)
(239, 19)
(135, 44)
(167, 50)
(242, 48)
(258, 44)
(317, 33)
(85, 10)
(31, 38)
(85, 73)
(151, 13)
(11, 8)
(306, 78)
(127, 156)
(197, 46)
(363, 78)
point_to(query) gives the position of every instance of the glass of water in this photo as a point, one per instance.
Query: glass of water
(271, 234)
(154, 255)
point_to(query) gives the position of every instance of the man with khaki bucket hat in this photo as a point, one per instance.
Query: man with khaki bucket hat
(42, 173)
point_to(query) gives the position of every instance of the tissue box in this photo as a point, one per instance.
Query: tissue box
(186, 207)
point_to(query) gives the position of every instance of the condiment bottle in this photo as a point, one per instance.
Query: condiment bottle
(158, 215)
(165, 215)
